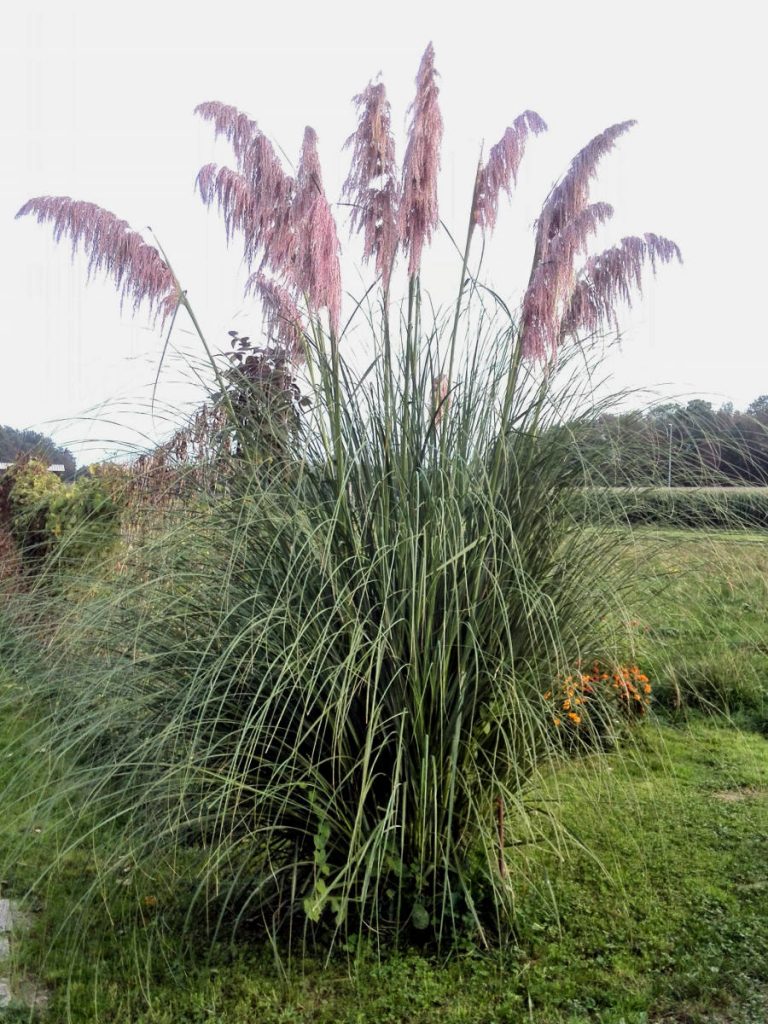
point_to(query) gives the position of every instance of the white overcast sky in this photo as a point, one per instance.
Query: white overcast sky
(97, 104)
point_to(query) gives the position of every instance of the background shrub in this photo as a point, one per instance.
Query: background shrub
(52, 520)
(694, 507)
(30, 490)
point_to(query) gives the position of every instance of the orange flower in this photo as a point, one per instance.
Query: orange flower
(574, 717)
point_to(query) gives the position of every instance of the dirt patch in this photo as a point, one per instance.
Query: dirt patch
(26, 993)
(732, 796)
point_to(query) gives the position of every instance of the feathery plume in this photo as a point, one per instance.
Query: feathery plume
(564, 225)
(257, 198)
(282, 318)
(418, 207)
(275, 193)
(575, 233)
(138, 270)
(236, 203)
(315, 272)
(255, 154)
(286, 223)
(662, 249)
(503, 164)
(264, 220)
(553, 279)
(569, 197)
(372, 183)
(611, 277)
(236, 127)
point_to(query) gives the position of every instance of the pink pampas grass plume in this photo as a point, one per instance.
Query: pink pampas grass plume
(283, 320)
(440, 397)
(315, 272)
(566, 222)
(611, 278)
(256, 199)
(503, 164)
(418, 206)
(137, 269)
(372, 185)
(256, 158)
(236, 127)
(571, 194)
(553, 279)
(287, 224)
(236, 203)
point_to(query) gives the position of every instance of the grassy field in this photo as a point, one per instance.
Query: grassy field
(650, 905)
(699, 613)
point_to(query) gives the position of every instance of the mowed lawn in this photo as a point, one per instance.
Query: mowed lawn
(648, 903)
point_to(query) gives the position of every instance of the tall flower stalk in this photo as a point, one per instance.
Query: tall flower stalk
(560, 298)
(372, 185)
(113, 248)
(419, 218)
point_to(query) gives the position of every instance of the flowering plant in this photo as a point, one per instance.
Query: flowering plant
(338, 703)
(592, 701)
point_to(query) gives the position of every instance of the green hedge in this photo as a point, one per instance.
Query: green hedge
(49, 518)
(695, 507)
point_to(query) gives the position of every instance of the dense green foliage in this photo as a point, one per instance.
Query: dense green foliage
(727, 508)
(617, 914)
(654, 910)
(317, 690)
(53, 522)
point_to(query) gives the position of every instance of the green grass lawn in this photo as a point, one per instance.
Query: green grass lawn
(655, 908)
(704, 635)
(649, 904)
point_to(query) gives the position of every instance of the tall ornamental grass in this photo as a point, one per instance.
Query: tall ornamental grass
(313, 694)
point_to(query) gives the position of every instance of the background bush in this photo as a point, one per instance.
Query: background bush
(49, 519)
(695, 507)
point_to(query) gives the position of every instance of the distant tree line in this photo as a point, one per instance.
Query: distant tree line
(15, 443)
(690, 445)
